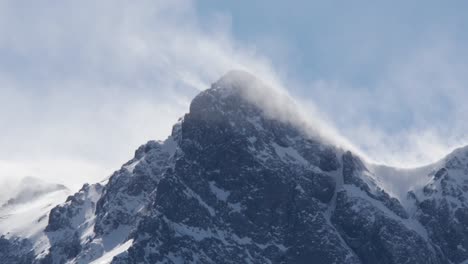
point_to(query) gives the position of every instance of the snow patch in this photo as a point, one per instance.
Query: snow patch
(220, 193)
(107, 257)
(289, 154)
(397, 182)
(190, 193)
(28, 220)
(130, 167)
(411, 224)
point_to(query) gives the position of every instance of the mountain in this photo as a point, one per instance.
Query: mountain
(237, 181)
(24, 216)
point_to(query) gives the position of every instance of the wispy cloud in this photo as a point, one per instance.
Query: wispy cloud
(84, 83)
(415, 114)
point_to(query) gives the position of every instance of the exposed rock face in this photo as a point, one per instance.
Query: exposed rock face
(233, 185)
(442, 206)
(70, 225)
(241, 190)
(15, 250)
(376, 226)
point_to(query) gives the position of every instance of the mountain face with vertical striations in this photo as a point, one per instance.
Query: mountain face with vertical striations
(234, 184)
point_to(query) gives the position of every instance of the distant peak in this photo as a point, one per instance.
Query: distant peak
(30, 188)
(37, 183)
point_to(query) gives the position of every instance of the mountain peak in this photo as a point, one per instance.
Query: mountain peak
(238, 83)
(235, 79)
(232, 93)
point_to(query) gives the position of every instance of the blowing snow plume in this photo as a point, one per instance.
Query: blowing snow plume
(277, 103)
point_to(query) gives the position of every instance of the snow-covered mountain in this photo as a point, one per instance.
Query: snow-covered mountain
(235, 184)
(24, 216)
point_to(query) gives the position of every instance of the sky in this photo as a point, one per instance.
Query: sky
(84, 83)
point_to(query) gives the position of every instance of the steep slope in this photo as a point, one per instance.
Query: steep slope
(436, 196)
(235, 183)
(24, 216)
(375, 225)
(442, 205)
(100, 218)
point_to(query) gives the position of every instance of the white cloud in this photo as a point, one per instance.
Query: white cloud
(84, 83)
(414, 115)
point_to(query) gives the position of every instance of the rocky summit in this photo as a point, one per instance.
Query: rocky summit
(234, 184)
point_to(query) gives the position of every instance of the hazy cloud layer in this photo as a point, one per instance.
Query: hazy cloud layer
(415, 114)
(84, 84)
